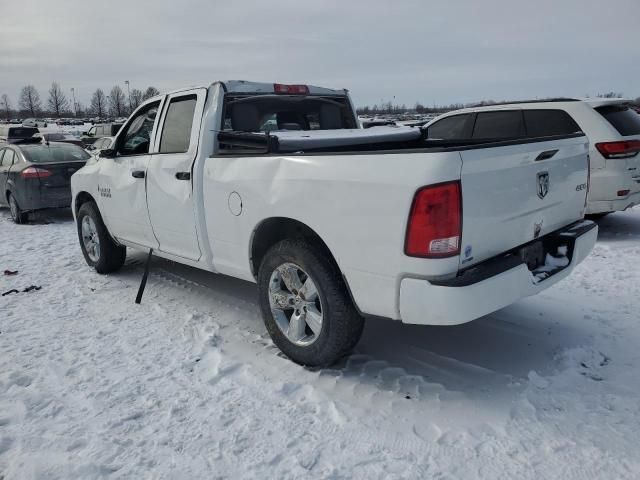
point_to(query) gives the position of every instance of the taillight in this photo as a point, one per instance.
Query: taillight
(33, 172)
(435, 222)
(624, 149)
(291, 89)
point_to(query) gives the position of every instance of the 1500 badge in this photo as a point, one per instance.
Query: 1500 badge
(582, 186)
(104, 191)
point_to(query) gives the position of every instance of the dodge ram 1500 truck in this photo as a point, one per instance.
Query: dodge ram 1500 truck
(278, 185)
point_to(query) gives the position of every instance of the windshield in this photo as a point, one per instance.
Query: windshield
(54, 153)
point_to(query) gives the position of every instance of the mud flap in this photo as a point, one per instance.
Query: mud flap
(143, 282)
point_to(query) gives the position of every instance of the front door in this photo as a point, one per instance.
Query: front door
(169, 182)
(121, 185)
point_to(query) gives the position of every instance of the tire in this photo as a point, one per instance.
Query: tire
(108, 256)
(340, 326)
(17, 214)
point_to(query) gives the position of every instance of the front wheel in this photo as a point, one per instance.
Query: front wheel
(17, 214)
(305, 304)
(98, 248)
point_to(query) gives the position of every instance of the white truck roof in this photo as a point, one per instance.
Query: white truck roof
(244, 86)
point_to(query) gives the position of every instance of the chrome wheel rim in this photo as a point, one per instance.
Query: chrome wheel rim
(295, 304)
(90, 238)
(13, 206)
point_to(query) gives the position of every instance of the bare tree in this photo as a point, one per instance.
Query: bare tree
(57, 100)
(150, 92)
(99, 103)
(611, 95)
(136, 98)
(5, 105)
(117, 101)
(30, 100)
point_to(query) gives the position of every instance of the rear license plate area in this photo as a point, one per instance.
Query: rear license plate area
(533, 254)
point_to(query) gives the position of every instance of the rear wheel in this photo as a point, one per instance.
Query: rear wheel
(17, 214)
(305, 304)
(98, 248)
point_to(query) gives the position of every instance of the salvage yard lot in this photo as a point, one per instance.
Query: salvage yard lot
(189, 385)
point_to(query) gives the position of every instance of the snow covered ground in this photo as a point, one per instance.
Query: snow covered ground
(188, 385)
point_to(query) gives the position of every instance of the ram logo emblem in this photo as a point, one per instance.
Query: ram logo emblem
(543, 184)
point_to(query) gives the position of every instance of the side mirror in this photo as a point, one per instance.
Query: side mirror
(107, 153)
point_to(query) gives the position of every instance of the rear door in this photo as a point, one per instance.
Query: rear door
(169, 183)
(513, 194)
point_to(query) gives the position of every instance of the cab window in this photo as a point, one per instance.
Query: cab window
(136, 138)
(176, 131)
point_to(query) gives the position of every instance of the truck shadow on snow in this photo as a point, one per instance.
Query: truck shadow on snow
(486, 355)
(620, 226)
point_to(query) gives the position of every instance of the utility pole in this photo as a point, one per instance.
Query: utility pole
(128, 93)
(75, 108)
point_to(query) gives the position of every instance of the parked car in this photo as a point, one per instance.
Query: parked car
(32, 122)
(100, 131)
(100, 144)
(612, 126)
(331, 221)
(36, 176)
(59, 137)
(10, 134)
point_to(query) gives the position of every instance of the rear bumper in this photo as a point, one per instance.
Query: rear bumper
(619, 204)
(492, 286)
(46, 198)
(608, 181)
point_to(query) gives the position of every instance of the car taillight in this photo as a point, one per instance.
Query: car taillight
(33, 172)
(624, 149)
(435, 222)
(291, 89)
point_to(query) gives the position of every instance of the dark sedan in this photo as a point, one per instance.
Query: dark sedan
(38, 175)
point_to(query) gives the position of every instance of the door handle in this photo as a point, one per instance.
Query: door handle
(183, 175)
(546, 155)
(137, 174)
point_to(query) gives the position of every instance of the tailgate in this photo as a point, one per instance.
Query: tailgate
(513, 194)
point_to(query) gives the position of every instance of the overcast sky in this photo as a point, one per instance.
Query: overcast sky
(416, 50)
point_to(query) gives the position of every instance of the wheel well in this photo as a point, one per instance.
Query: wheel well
(273, 230)
(82, 197)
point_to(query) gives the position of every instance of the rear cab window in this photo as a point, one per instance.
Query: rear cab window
(623, 118)
(264, 113)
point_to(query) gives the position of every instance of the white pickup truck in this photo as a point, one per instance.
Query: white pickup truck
(278, 185)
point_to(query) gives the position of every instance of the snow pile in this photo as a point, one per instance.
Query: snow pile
(188, 384)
